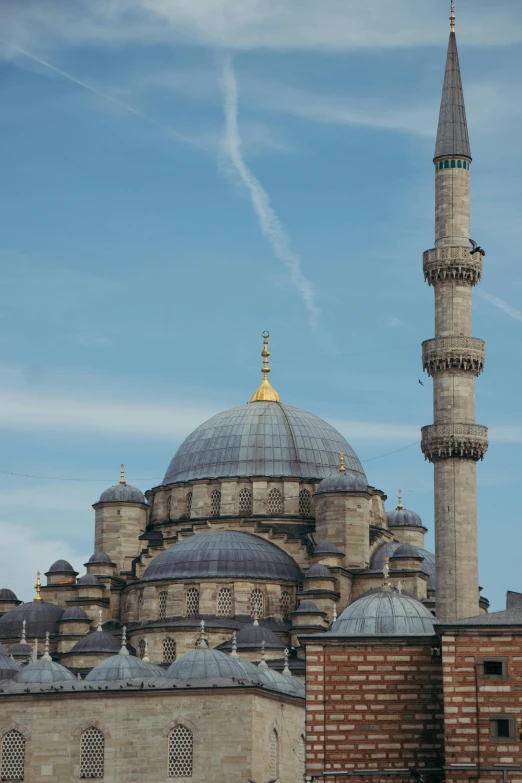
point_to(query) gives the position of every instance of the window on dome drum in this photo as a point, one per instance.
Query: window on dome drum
(162, 604)
(92, 752)
(493, 668)
(224, 603)
(141, 648)
(453, 164)
(181, 747)
(188, 504)
(285, 603)
(300, 758)
(305, 503)
(13, 756)
(192, 602)
(275, 502)
(274, 754)
(446, 164)
(502, 728)
(215, 503)
(459, 164)
(245, 502)
(169, 650)
(256, 603)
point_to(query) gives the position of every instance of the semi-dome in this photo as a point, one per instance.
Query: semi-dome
(262, 438)
(383, 612)
(378, 560)
(74, 613)
(61, 567)
(40, 617)
(100, 557)
(206, 664)
(44, 671)
(124, 667)
(343, 481)
(7, 595)
(97, 642)
(223, 553)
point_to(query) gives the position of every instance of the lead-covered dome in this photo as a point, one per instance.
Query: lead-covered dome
(378, 560)
(40, 617)
(223, 553)
(262, 438)
(44, 671)
(383, 612)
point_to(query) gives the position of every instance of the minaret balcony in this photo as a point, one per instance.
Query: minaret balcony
(451, 263)
(453, 353)
(454, 441)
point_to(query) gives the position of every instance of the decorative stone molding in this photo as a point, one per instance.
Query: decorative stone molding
(453, 353)
(451, 263)
(450, 441)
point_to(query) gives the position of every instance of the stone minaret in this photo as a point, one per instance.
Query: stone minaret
(454, 358)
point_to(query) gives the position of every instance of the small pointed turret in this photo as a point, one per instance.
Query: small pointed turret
(452, 133)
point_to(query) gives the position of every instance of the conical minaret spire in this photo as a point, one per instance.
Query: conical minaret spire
(454, 358)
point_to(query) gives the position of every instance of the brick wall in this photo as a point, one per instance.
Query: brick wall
(371, 707)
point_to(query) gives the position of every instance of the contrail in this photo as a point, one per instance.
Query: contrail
(175, 134)
(504, 306)
(269, 223)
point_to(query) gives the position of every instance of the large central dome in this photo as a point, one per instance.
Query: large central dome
(262, 438)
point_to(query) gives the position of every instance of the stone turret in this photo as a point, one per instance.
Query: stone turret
(454, 443)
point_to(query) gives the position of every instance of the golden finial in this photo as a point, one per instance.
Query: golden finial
(265, 391)
(452, 17)
(122, 473)
(38, 597)
(399, 501)
(342, 469)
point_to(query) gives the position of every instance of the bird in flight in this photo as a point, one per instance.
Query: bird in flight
(421, 383)
(476, 248)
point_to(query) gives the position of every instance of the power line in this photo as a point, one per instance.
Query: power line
(371, 459)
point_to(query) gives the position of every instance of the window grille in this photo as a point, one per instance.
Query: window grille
(141, 648)
(245, 502)
(256, 603)
(169, 650)
(224, 603)
(215, 503)
(275, 502)
(162, 604)
(140, 601)
(188, 504)
(192, 602)
(181, 746)
(300, 754)
(274, 754)
(285, 603)
(305, 503)
(13, 756)
(92, 751)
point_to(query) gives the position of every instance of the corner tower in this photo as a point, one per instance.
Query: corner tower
(454, 443)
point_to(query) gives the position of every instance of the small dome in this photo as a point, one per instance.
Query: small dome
(8, 668)
(20, 649)
(74, 613)
(42, 671)
(223, 553)
(283, 682)
(89, 579)
(406, 550)
(326, 548)
(384, 611)
(205, 664)
(97, 642)
(349, 481)
(124, 667)
(7, 595)
(100, 557)
(403, 517)
(307, 607)
(378, 560)
(252, 636)
(122, 493)
(40, 617)
(318, 570)
(61, 567)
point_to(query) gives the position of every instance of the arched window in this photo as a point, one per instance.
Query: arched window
(92, 751)
(465, 164)
(215, 503)
(285, 603)
(181, 747)
(188, 504)
(459, 164)
(13, 756)
(140, 603)
(169, 650)
(245, 502)
(274, 754)
(141, 648)
(162, 604)
(453, 164)
(224, 603)
(300, 758)
(305, 503)
(192, 602)
(256, 603)
(446, 164)
(275, 502)
(441, 164)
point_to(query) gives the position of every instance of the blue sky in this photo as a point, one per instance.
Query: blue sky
(179, 176)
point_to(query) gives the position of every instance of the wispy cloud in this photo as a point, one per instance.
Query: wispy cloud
(269, 222)
(501, 304)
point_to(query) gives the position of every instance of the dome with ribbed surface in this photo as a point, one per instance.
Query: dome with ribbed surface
(42, 671)
(21, 650)
(97, 642)
(406, 550)
(252, 636)
(74, 613)
(223, 553)
(318, 570)
(61, 567)
(122, 493)
(403, 517)
(8, 668)
(262, 439)
(124, 667)
(349, 481)
(283, 682)
(89, 579)
(40, 617)
(326, 548)
(99, 558)
(378, 560)
(384, 612)
(7, 595)
(205, 664)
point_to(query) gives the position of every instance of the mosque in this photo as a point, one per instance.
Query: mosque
(260, 616)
